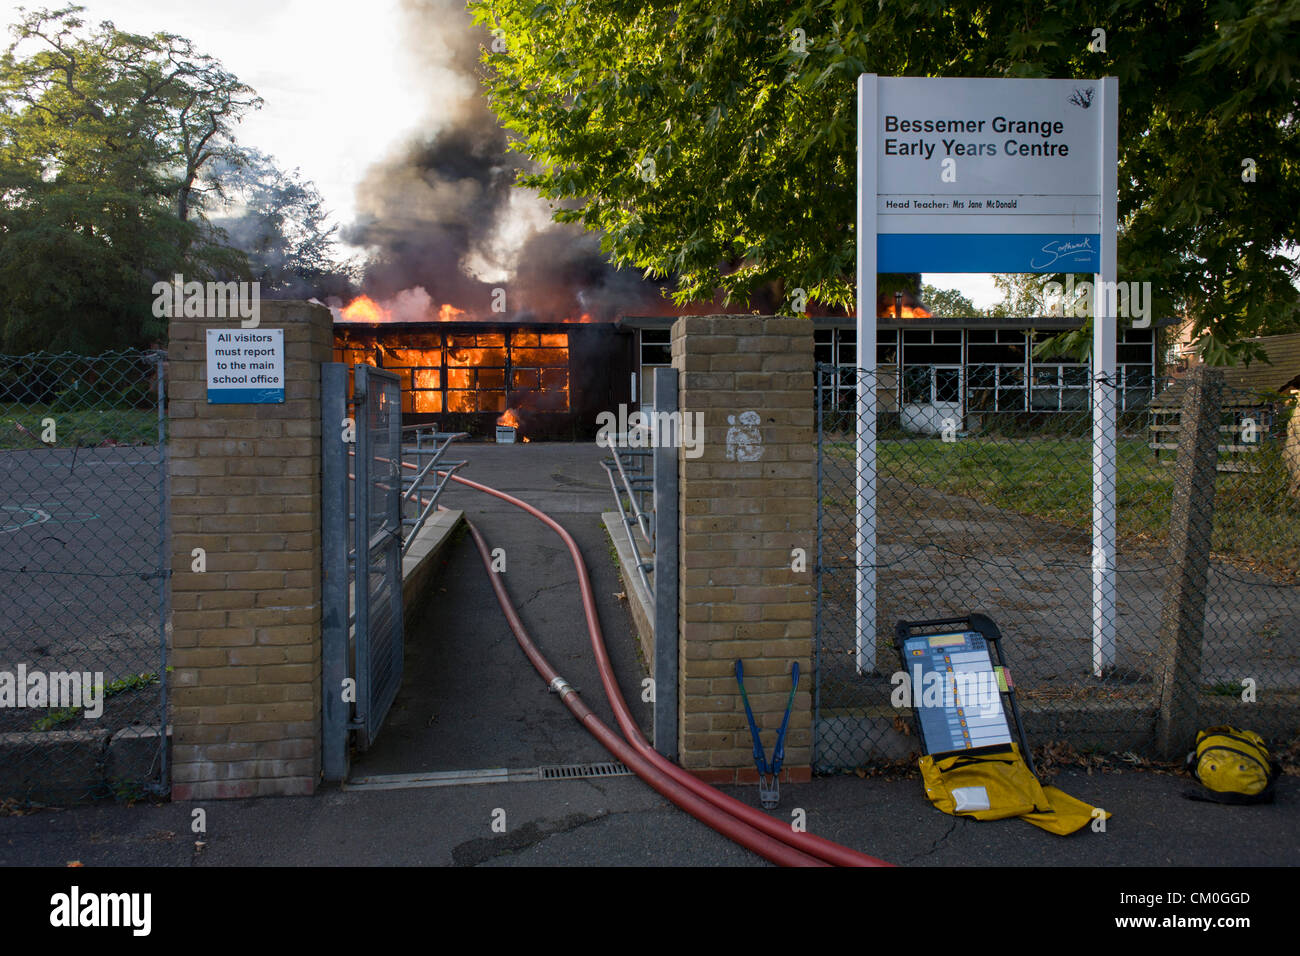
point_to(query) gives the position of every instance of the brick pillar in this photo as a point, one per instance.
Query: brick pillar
(245, 487)
(747, 501)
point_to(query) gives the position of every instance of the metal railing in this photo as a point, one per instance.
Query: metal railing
(630, 470)
(426, 484)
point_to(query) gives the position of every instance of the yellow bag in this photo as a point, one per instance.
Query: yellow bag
(994, 786)
(984, 786)
(1234, 764)
(1067, 814)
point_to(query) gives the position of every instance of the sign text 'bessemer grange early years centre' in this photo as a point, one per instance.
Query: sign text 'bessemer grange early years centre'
(245, 366)
(982, 175)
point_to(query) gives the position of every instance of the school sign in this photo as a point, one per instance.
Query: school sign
(989, 175)
(986, 175)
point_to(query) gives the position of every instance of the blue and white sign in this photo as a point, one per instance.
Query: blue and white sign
(245, 366)
(987, 175)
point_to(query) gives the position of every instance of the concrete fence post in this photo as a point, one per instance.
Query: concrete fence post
(1191, 527)
(246, 629)
(748, 514)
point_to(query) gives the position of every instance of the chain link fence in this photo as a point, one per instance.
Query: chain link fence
(980, 508)
(83, 465)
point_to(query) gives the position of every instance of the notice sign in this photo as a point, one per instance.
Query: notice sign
(245, 366)
(987, 175)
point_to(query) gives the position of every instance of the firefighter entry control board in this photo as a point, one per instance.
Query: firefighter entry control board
(956, 692)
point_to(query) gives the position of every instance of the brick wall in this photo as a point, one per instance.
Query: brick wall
(245, 645)
(747, 501)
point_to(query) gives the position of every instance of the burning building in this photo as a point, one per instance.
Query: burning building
(549, 379)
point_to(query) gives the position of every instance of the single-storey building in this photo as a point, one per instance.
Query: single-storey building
(948, 368)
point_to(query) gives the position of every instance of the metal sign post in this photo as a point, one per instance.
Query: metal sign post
(1105, 393)
(988, 175)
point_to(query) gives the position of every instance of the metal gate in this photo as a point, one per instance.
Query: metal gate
(84, 560)
(362, 543)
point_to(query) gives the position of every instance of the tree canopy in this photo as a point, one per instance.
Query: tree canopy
(119, 167)
(279, 221)
(714, 140)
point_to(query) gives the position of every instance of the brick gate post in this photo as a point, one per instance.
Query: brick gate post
(747, 503)
(246, 630)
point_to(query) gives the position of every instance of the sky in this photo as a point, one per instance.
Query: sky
(340, 86)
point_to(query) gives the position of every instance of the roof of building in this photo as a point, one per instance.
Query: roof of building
(1282, 367)
(933, 322)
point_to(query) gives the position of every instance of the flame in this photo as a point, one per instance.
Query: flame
(365, 309)
(909, 312)
(509, 418)
(405, 307)
(414, 305)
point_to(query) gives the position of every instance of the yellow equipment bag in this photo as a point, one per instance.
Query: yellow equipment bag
(994, 786)
(1067, 814)
(1234, 765)
(984, 786)
(962, 778)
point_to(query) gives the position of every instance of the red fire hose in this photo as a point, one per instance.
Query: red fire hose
(702, 810)
(736, 820)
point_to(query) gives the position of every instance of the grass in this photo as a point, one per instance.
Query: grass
(1256, 521)
(57, 718)
(84, 427)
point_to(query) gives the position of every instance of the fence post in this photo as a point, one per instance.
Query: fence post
(1191, 525)
(1291, 440)
(336, 501)
(666, 531)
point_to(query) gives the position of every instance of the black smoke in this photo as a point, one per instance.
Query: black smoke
(436, 206)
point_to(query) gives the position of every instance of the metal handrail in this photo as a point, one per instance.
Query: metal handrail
(643, 520)
(610, 466)
(419, 483)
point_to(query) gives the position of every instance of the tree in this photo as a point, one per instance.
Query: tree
(714, 141)
(104, 137)
(279, 221)
(948, 303)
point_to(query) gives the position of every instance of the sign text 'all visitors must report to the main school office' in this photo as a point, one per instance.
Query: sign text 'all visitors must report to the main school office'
(245, 367)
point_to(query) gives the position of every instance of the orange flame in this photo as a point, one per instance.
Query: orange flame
(909, 312)
(509, 418)
(365, 309)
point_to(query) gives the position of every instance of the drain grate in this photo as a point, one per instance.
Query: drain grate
(462, 778)
(575, 771)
